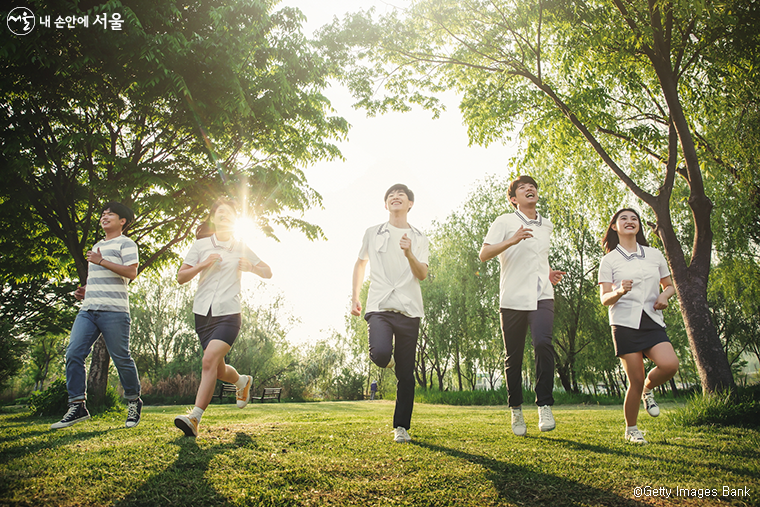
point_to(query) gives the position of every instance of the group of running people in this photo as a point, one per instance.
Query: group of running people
(630, 277)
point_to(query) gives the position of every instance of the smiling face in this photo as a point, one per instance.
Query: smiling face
(397, 200)
(526, 194)
(627, 223)
(111, 222)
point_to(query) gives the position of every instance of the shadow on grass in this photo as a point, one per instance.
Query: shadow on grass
(674, 457)
(44, 440)
(524, 486)
(184, 482)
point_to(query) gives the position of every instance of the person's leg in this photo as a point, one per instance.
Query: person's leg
(406, 330)
(84, 332)
(115, 327)
(514, 325)
(633, 364)
(666, 364)
(380, 332)
(213, 365)
(541, 323)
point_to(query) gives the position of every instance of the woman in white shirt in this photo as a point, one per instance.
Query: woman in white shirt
(220, 260)
(630, 276)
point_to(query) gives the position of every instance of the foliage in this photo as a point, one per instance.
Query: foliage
(53, 401)
(185, 103)
(609, 81)
(13, 350)
(733, 408)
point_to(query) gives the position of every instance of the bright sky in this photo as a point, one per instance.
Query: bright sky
(431, 156)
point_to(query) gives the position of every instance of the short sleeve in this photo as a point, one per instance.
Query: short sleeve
(605, 270)
(497, 232)
(192, 257)
(663, 265)
(252, 257)
(364, 251)
(424, 252)
(129, 253)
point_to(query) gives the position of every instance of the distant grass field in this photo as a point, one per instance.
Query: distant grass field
(341, 453)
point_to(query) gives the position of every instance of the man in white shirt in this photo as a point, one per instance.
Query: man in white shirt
(112, 265)
(398, 257)
(521, 241)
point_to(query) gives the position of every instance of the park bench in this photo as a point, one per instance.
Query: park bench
(270, 393)
(225, 389)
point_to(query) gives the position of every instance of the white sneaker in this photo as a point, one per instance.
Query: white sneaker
(400, 435)
(243, 395)
(188, 424)
(545, 418)
(650, 404)
(518, 422)
(635, 437)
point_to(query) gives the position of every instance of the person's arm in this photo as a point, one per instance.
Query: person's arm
(419, 269)
(667, 290)
(120, 269)
(610, 297)
(488, 251)
(356, 286)
(188, 272)
(261, 268)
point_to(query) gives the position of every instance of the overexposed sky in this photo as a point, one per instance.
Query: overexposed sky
(431, 156)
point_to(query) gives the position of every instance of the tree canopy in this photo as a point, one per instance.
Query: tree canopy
(188, 101)
(639, 86)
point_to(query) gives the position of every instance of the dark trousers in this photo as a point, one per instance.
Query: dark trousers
(382, 328)
(514, 327)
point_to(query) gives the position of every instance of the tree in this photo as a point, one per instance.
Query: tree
(180, 106)
(628, 79)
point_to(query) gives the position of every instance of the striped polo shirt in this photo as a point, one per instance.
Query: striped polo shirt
(107, 291)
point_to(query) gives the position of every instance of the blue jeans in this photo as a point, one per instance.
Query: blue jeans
(88, 326)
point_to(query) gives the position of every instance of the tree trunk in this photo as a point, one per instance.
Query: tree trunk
(97, 379)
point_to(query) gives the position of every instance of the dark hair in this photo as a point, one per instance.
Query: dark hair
(207, 228)
(121, 210)
(611, 240)
(399, 186)
(512, 192)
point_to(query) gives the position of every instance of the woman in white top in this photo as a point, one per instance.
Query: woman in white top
(630, 276)
(220, 260)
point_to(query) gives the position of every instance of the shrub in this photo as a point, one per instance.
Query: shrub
(740, 407)
(51, 401)
(54, 401)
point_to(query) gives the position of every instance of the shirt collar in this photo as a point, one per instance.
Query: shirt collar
(226, 245)
(630, 256)
(539, 220)
(383, 228)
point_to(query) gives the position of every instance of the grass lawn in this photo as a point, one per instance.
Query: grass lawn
(342, 453)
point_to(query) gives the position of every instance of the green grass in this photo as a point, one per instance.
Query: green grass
(341, 453)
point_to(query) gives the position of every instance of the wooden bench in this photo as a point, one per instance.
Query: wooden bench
(269, 393)
(225, 389)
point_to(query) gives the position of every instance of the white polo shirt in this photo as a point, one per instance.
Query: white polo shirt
(525, 266)
(392, 285)
(645, 267)
(219, 284)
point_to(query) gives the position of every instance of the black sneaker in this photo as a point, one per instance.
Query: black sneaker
(77, 413)
(134, 408)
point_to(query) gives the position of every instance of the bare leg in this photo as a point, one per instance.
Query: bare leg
(633, 364)
(213, 368)
(666, 364)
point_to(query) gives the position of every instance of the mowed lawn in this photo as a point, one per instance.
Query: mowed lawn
(342, 453)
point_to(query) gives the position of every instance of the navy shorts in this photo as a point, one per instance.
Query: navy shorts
(628, 340)
(224, 327)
